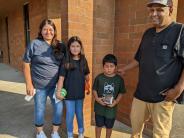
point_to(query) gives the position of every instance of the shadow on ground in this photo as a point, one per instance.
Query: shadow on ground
(16, 116)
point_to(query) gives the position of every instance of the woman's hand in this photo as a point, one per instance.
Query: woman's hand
(30, 89)
(121, 71)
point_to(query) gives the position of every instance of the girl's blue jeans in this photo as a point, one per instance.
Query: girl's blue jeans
(74, 107)
(40, 99)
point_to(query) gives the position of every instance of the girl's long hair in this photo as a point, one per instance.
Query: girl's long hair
(69, 63)
(56, 45)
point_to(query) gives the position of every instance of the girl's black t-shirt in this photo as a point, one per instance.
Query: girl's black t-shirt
(74, 82)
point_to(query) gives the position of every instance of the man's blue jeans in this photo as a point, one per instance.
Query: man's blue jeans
(40, 99)
(74, 107)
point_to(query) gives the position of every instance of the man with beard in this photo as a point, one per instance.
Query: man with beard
(161, 77)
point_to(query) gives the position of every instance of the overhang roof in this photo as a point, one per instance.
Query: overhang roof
(9, 5)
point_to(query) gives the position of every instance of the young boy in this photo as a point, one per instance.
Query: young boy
(107, 84)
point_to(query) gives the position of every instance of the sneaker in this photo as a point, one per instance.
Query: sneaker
(55, 135)
(69, 134)
(41, 135)
(81, 136)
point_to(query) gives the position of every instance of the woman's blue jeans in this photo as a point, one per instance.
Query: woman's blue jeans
(74, 107)
(40, 100)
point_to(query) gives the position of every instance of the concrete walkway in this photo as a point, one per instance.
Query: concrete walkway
(16, 115)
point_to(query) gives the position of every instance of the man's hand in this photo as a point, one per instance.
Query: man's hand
(127, 67)
(172, 94)
(100, 101)
(121, 71)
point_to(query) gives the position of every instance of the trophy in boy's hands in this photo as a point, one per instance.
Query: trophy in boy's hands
(108, 99)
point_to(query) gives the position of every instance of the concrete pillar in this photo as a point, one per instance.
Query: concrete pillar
(104, 14)
(103, 29)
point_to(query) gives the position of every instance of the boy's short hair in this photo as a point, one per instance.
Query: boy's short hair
(110, 58)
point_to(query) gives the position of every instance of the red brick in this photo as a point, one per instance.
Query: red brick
(180, 17)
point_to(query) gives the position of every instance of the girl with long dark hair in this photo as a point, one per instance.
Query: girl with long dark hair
(73, 75)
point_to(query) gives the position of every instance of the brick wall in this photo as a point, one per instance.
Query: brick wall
(37, 12)
(130, 22)
(64, 20)
(54, 8)
(16, 30)
(54, 13)
(16, 37)
(103, 37)
(175, 9)
(104, 12)
(42, 9)
(180, 17)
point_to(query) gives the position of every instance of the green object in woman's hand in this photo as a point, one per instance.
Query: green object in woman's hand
(63, 92)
